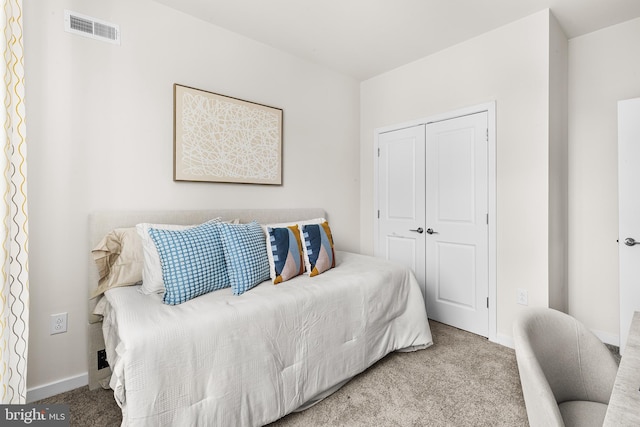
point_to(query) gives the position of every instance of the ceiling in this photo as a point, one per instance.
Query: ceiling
(364, 38)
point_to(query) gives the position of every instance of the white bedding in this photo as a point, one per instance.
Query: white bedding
(225, 360)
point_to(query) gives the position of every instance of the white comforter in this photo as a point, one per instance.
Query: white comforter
(225, 360)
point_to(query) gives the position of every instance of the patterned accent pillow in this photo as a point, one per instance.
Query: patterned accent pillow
(245, 251)
(298, 223)
(152, 270)
(286, 260)
(192, 261)
(318, 248)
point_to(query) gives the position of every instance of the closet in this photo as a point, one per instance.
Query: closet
(433, 212)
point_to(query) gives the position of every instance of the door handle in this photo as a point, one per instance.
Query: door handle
(629, 241)
(418, 230)
(430, 231)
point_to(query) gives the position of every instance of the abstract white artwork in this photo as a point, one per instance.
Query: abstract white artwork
(222, 139)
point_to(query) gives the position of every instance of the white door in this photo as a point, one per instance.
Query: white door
(628, 212)
(401, 198)
(457, 275)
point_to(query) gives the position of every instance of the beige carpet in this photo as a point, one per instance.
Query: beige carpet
(462, 380)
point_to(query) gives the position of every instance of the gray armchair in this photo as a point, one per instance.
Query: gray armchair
(567, 373)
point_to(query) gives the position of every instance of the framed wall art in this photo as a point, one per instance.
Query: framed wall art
(218, 138)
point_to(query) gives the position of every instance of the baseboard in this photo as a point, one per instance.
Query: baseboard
(504, 340)
(51, 389)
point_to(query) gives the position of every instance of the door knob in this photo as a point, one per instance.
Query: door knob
(629, 241)
(418, 230)
(430, 231)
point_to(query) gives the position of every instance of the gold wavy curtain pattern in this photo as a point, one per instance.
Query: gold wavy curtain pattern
(14, 286)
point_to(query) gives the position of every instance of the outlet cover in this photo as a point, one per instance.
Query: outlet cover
(102, 359)
(521, 297)
(58, 323)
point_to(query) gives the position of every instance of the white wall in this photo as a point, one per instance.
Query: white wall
(604, 67)
(100, 138)
(511, 66)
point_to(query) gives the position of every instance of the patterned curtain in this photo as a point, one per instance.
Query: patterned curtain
(14, 295)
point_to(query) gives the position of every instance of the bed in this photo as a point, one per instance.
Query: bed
(247, 360)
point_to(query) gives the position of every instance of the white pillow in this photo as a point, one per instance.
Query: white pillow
(119, 260)
(152, 270)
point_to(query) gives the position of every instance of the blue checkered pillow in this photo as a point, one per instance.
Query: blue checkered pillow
(192, 261)
(245, 250)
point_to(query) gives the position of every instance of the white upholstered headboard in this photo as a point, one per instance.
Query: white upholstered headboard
(100, 223)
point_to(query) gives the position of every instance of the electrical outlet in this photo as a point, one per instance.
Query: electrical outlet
(521, 297)
(102, 359)
(58, 323)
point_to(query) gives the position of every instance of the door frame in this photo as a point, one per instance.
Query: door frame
(490, 108)
(627, 209)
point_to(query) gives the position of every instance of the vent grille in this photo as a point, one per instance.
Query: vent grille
(86, 26)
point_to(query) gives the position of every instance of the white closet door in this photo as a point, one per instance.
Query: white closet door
(457, 278)
(401, 198)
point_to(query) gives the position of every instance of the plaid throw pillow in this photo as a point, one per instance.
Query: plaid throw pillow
(245, 251)
(192, 261)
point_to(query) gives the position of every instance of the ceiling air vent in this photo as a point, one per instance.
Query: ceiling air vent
(86, 26)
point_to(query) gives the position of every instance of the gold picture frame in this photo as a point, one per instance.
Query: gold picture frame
(217, 138)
